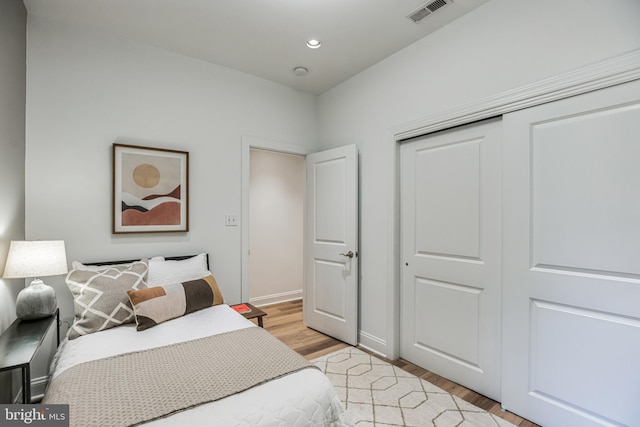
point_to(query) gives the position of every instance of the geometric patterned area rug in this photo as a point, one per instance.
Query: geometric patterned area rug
(376, 393)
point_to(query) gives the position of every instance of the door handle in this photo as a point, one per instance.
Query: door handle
(348, 254)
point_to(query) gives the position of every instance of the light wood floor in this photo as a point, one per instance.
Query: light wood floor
(284, 321)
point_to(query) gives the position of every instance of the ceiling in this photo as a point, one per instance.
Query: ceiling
(265, 38)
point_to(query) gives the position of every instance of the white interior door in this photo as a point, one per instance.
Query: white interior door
(331, 286)
(450, 295)
(571, 352)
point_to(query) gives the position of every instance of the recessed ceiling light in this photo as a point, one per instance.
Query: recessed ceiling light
(314, 44)
(300, 71)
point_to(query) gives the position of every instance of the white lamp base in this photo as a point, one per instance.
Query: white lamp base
(36, 301)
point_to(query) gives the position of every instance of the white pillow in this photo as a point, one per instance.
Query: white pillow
(164, 272)
(75, 265)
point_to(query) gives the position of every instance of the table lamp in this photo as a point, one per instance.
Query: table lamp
(35, 259)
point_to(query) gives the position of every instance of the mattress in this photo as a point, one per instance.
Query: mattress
(304, 398)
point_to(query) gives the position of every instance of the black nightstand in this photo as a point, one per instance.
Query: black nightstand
(19, 343)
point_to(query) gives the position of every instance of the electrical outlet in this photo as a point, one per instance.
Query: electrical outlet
(231, 220)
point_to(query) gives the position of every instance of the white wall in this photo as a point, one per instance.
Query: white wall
(85, 89)
(276, 226)
(13, 31)
(502, 45)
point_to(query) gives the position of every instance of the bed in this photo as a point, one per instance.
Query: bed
(207, 366)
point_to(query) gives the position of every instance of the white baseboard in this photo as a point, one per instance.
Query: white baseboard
(276, 298)
(38, 387)
(372, 343)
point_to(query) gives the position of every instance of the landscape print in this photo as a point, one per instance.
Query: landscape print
(150, 193)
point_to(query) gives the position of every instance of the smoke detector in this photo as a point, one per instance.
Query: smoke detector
(300, 71)
(427, 9)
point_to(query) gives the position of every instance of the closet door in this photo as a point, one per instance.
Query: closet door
(571, 227)
(450, 295)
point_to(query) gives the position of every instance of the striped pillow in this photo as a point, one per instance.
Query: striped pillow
(158, 304)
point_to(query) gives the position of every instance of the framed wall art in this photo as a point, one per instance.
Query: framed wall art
(150, 189)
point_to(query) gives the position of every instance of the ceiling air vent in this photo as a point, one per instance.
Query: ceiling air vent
(427, 9)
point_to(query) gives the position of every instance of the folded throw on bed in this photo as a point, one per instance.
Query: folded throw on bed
(134, 388)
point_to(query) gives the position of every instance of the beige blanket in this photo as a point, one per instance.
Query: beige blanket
(135, 388)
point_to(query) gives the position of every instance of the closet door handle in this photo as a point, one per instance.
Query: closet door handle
(348, 254)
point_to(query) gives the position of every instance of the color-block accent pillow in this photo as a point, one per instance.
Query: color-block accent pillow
(158, 304)
(100, 298)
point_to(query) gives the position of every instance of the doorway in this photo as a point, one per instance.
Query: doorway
(276, 226)
(330, 235)
(250, 143)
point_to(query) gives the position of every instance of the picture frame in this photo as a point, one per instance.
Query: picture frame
(150, 189)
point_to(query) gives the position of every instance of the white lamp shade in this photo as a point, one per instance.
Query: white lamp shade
(37, 258)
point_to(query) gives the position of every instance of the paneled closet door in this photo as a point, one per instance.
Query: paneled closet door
(451, 295)
(571, 226)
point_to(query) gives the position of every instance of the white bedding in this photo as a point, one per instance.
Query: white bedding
(305, 398)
